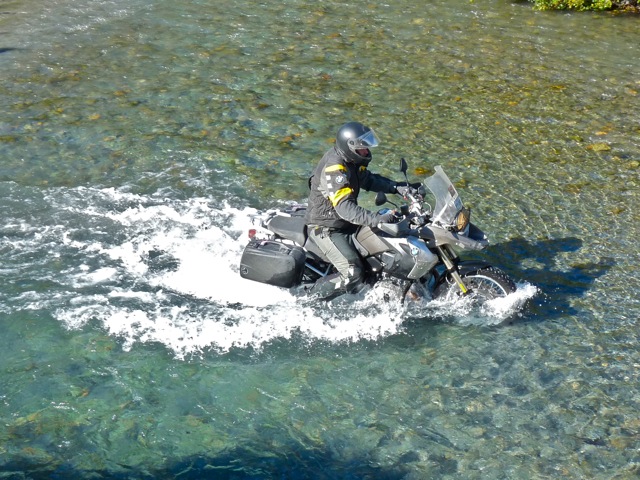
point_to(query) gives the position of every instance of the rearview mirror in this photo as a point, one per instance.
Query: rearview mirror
(403, 166)
(381, 199)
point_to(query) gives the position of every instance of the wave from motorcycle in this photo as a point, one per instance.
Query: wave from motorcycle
(418, 253)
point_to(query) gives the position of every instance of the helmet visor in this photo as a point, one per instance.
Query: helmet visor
(366, 140)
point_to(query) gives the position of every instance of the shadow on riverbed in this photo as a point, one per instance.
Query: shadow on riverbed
(298, 465)
(241, 464)
(559, 279)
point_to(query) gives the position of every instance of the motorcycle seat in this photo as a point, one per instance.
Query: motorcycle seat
(292, 227)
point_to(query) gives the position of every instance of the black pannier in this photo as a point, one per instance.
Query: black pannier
(271, 262)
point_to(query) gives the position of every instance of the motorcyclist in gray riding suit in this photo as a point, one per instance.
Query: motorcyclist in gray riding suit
(333, 213)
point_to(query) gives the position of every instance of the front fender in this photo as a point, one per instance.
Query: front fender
(469, 266)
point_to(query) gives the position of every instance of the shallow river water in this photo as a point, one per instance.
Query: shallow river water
(136, 140)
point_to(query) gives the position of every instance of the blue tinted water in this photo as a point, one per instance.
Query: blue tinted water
(137, 139)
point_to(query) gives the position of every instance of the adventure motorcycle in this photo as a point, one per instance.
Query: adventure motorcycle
(417, 253)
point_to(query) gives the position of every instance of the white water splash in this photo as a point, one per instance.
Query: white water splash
(466, 311)
(167, 272)
(500, 309)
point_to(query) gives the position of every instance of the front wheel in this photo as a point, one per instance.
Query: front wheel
(484, 284)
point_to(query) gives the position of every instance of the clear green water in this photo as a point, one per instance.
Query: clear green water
(136, 139)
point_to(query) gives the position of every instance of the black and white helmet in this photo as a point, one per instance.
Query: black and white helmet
(355, 141)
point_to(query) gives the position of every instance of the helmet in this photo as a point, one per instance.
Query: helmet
(354, 141)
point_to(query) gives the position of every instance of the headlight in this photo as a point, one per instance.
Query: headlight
(462, 219)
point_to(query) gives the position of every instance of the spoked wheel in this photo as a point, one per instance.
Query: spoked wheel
(484, 284)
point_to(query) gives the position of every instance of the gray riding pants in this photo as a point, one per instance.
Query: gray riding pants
(339, 249)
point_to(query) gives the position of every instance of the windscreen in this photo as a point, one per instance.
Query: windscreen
(448, 202)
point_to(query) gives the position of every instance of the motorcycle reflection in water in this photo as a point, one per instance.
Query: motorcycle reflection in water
(418, 253)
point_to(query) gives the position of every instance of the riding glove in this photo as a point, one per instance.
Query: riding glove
(389, 217)
(403, 188)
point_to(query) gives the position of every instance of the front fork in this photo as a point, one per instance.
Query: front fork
(449, 257)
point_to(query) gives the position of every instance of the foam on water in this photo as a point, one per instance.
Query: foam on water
(465, 311)
(153, 269)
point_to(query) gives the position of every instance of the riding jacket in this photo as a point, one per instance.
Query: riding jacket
(335, 185)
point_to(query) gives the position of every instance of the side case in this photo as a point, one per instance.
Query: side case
(273, 263)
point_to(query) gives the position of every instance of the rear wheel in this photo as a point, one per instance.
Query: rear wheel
(484, 284)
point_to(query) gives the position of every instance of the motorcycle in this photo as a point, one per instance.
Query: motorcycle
(417, 253)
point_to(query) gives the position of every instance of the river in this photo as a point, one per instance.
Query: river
(137, 139)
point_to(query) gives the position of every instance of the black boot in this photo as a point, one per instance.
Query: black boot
(327, 288)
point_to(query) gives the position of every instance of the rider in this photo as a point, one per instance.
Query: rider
(333, 214)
